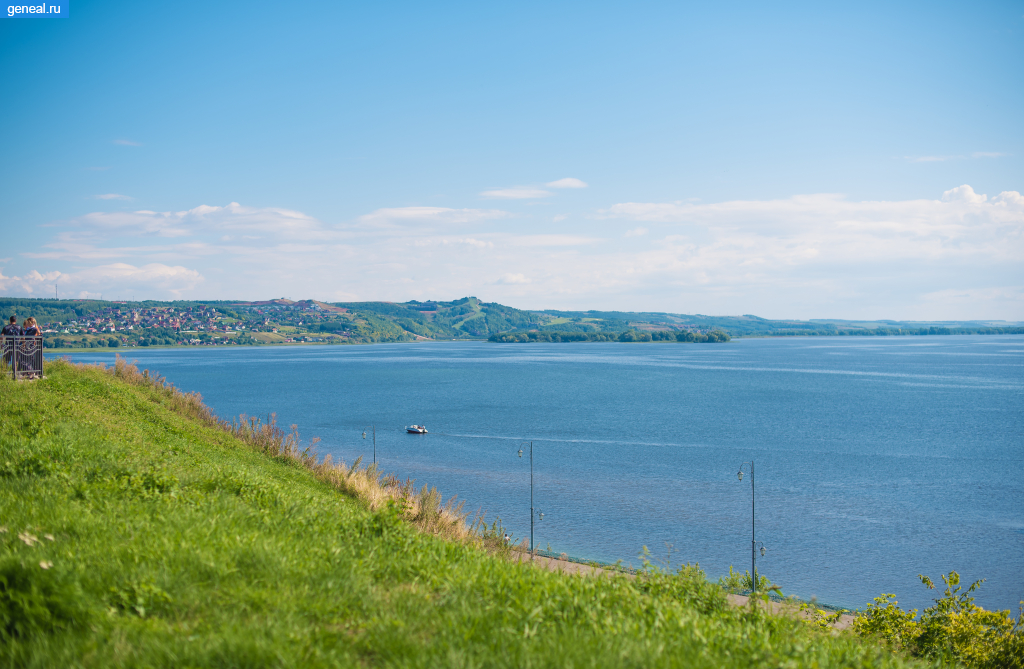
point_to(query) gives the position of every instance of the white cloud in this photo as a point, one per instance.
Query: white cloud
(512, 279)
(147, 278)
(516, 193)
(568, 182)
(411, 215)
(126, 142)
(636, 232)
(465, 242)
(805, 256)
(963, 194)
(111, 196)
(842, 256)
(469, 241)
(174, 280)
(30, 283)
(978, 296)
(550, 240)
(205, 219)
(1010, 199)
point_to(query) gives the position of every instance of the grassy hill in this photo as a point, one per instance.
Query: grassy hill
(138, 530)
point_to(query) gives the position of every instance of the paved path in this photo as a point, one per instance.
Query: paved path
(568, 567)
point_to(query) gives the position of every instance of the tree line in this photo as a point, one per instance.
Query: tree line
(626, 336)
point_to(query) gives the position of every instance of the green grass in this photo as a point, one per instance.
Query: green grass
(139, 536)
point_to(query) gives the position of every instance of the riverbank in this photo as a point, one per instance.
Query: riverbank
(557, 338)
(143, 533)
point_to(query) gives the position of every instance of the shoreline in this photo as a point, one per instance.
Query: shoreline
(577, 565)
(121, 349)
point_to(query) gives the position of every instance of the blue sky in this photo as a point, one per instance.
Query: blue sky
(789, 160)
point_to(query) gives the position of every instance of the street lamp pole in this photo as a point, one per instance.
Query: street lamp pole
(532, 544)
(531, 494)
(753, 527)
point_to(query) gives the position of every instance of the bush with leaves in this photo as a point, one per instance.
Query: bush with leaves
(954, 630)
(737, 582)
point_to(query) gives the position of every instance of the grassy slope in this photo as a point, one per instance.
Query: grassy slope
(175, 544)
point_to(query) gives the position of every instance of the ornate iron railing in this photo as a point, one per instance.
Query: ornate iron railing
(23, 356)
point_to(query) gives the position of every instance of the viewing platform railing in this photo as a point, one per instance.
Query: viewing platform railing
(22, 356)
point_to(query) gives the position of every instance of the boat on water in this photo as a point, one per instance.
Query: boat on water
(416, 429)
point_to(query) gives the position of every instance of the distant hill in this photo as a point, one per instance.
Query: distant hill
(96, 323)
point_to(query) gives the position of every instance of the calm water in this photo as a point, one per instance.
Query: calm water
(876, 459)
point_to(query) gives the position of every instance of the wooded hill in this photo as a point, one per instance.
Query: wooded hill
(95, 323)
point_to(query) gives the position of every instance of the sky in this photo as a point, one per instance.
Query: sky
(788, 160)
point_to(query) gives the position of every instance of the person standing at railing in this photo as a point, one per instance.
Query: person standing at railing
(29, 350)
(11, 329)
(30, 329)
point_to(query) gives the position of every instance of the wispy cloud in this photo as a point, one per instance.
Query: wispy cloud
(413, 215)
(568, 182)
(931, 159)
(636, 232)
(205, 219)
(516, 193)
(126, 142)
(512, 279)
(550, 240)
(531, 192)
(111, 196)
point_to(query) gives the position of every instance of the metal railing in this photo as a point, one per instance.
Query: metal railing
(23, 355)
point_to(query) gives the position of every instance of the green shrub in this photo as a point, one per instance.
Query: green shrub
(954, 630)
(737, 582)
(885, 620)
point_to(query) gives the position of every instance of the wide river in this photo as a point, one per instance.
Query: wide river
(876, 459)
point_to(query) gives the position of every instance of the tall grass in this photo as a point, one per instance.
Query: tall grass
(424, 508)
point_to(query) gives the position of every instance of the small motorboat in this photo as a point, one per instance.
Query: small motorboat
(416, 429)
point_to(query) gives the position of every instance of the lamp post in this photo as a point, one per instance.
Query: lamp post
(531, 494)
(373, 428)
(753, 537)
